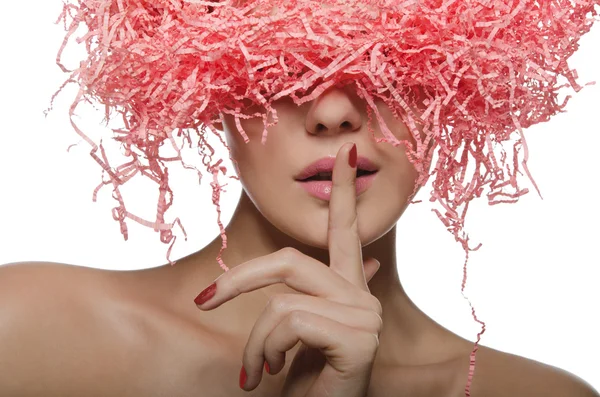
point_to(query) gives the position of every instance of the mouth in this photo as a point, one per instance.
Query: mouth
(322, 169)
(327, 176)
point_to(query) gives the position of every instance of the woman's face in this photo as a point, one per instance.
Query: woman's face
(307, 133)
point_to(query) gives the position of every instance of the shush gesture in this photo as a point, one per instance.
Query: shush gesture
(335, 317)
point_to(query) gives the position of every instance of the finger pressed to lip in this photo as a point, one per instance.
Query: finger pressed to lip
(342, 206)
(344, 244)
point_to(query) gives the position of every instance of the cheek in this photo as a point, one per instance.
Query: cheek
(259, 166)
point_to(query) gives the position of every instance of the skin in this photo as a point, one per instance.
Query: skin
(293, 278)
(91, 332)
(287, 261)
(80, 331)
(274, 214)
(335, 315)
(279, 232)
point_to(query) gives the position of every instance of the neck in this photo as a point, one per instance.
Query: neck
(250, 235)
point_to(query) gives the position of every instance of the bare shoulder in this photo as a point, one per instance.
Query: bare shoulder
(19, 271)
(56, 292)
(70, 331)
(500, 374)
(61, 330)
(35, 286)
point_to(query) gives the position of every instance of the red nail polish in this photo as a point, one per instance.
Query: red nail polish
(267, 368)
(352, 157)
(205, 295)
(243, 377)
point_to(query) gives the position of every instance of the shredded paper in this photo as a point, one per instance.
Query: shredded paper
(487, 69)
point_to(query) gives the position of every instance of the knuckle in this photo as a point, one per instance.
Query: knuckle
(377, 322)
(375, 304)
(289, 254)
(375, 340)
(365, 347)
(233, 281)
(279, 303)
(296, 318)
(370, 302)
(370, 342)
(289, 259)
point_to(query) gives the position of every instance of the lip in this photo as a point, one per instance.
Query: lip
(326, 164)
(322, 189)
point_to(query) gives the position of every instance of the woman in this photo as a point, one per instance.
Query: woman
(117, 317)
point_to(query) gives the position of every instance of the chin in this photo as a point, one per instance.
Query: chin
(314, 234)
(308, 224)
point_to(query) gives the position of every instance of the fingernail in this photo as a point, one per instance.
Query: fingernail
(243, 377)
(267, 368)
(352, 157)
(205, 295)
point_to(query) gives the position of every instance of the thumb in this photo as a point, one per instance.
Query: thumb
(371, 266)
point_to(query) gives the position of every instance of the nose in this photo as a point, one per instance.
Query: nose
(333, 113)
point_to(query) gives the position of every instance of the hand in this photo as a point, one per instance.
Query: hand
(335, 317)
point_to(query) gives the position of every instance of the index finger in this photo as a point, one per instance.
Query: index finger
(345, 252)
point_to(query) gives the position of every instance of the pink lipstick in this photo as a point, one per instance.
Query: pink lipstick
(316, 177)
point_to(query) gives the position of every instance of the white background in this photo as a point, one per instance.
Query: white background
(534, 282)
